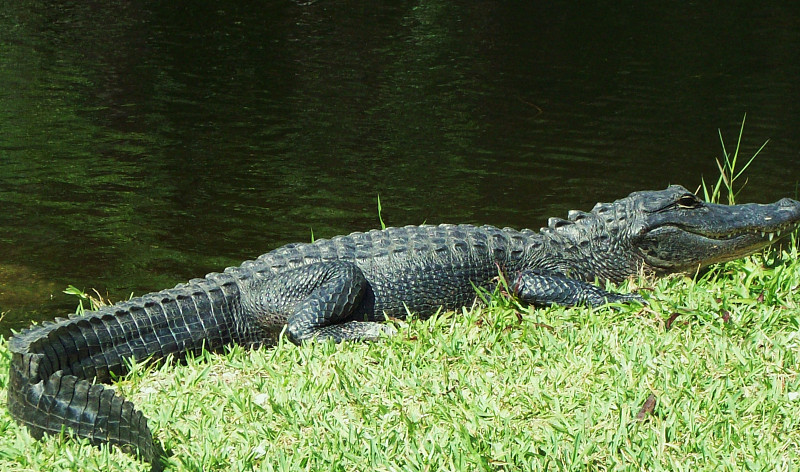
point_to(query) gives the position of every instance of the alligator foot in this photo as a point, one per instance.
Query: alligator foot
(354, 331)
(542, 289)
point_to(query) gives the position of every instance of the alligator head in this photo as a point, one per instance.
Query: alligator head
(661, 232)
(678, 232)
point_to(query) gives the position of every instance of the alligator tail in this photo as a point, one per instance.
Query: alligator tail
(53, 365)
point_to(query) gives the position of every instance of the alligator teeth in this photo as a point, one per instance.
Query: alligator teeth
(763, 234)
(771, 235)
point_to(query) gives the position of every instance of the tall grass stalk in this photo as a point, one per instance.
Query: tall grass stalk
(729, 171)
(380, 209)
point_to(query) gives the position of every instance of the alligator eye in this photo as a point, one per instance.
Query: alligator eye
(688, 201)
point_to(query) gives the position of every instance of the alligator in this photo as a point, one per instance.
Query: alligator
(344, 288)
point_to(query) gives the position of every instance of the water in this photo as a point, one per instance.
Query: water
(144, 145)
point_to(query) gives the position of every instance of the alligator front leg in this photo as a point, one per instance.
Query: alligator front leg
(542, 289)
(318, 301)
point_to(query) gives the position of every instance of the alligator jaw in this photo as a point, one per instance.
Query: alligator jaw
(757, 237)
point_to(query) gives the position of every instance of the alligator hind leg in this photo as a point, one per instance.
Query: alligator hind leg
(318, 301)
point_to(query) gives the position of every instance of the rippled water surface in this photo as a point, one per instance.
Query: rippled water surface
(144, 145)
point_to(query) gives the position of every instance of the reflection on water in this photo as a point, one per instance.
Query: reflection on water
(141, 146)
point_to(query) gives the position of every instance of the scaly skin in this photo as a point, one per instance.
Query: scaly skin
(342, 288)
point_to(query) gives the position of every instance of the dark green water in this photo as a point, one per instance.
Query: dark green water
(144, 145)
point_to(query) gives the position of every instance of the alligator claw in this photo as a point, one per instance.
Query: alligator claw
(629, 297)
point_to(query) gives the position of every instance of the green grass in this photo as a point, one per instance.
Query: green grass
(729, 171)
(500, 388)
